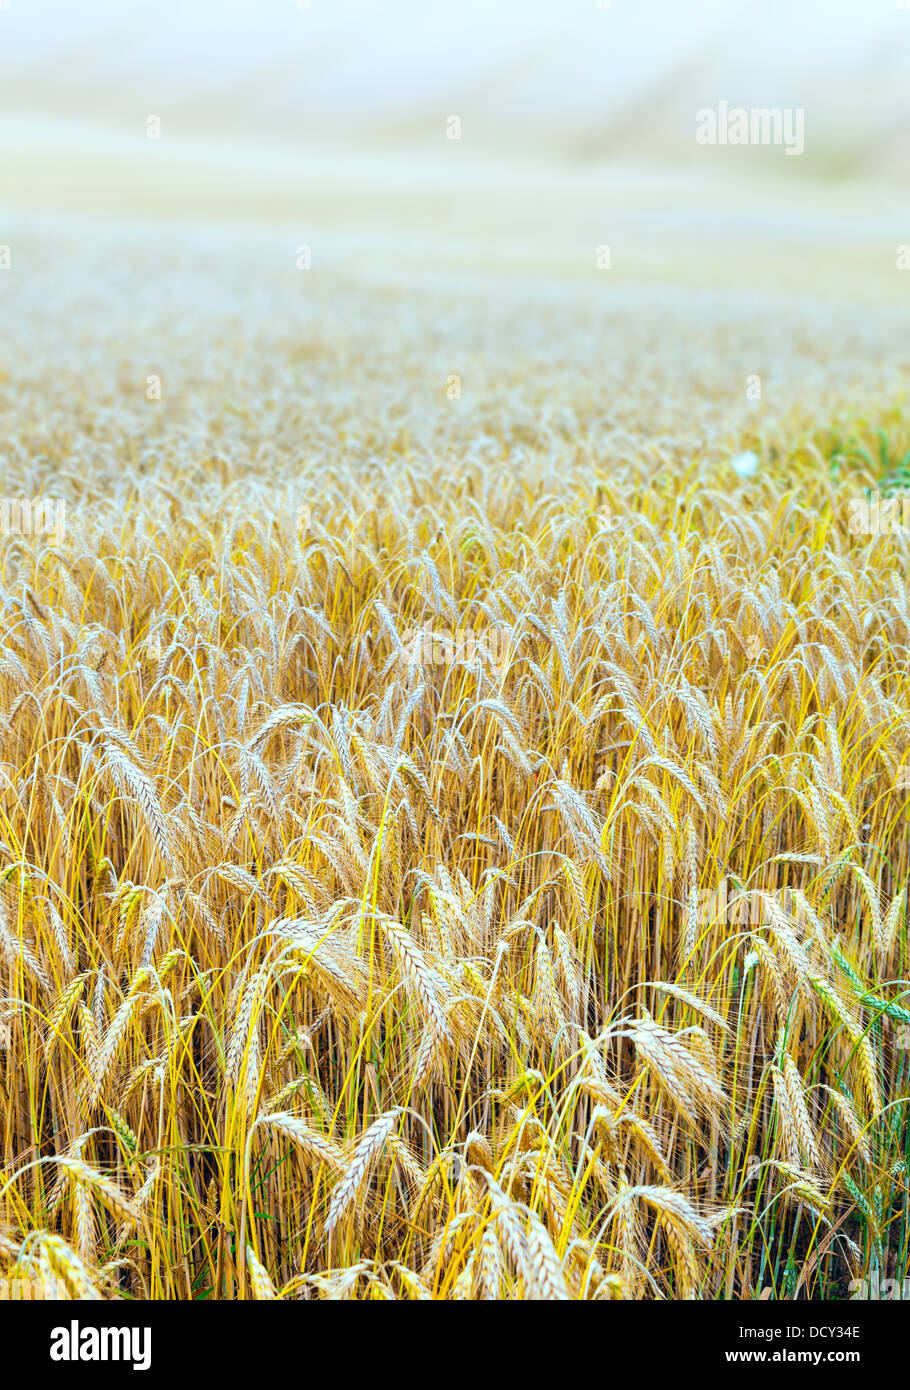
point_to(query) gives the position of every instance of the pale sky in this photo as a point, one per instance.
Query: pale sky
(560, 65)
(551, 79)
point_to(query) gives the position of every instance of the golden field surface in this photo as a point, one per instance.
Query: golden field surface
(392, 739)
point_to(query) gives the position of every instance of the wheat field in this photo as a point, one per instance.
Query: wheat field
(452, 823)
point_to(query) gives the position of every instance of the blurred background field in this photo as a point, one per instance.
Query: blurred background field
(577, 130)
(326, 127)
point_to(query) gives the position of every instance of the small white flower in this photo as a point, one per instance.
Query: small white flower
(744, 465)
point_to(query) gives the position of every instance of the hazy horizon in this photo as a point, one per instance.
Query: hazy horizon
(573, 82)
